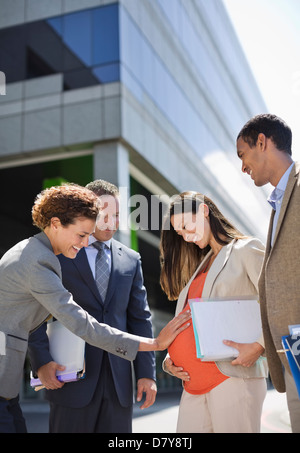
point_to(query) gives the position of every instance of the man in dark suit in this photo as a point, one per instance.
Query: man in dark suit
(103, 400)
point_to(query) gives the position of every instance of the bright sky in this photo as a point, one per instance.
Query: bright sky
(269, 32)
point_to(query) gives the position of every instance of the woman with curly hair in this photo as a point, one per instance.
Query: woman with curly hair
(31, 289)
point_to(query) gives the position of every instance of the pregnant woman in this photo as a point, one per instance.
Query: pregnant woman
(203, 255)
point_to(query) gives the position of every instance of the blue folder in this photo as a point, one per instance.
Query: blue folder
(287, 342)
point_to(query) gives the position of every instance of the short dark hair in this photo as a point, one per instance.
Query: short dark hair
(272, 127)
(101, 187)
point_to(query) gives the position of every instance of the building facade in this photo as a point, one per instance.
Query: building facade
(147, 94)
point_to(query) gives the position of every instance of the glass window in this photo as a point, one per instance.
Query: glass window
(77, 35)
(144, 71)
(84, 46)
(78, 78)
(147, 58)
(57, 24)
(105, 35)
(107, 73)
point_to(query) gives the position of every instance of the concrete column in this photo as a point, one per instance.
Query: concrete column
(111, 163)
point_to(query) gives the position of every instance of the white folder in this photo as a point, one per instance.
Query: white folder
(222, 319)
(66, 349)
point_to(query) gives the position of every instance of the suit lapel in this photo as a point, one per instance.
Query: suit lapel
(116, 254)
(82, 264)
(211, 277)
(269, 238)
(216, 268)
(286, 198)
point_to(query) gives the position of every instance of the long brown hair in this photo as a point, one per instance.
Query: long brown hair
(179, 259)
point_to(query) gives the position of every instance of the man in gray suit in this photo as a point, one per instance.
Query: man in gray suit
(265, 147)
(104, 399)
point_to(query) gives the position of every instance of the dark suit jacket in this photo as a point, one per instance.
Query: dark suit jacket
(125, 307)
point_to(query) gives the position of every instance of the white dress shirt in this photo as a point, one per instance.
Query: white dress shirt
(276, 197)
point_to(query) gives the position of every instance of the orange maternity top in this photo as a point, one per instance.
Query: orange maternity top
(204, 376)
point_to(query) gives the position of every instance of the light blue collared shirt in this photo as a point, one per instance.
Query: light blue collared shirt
(276, 197)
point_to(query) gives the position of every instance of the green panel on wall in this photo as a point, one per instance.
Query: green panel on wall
(78, 170)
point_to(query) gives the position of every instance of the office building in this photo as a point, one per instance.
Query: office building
(148, 94)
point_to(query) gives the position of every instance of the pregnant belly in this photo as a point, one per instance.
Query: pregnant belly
(203, 375)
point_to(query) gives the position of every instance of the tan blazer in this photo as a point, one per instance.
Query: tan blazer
(234, 273)
(279, 284)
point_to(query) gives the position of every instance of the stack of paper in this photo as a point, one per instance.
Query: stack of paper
(66, 349)
(222, 319)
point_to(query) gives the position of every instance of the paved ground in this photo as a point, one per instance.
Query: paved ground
(161, 418)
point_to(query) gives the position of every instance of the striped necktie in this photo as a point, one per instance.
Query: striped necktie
(102, 269)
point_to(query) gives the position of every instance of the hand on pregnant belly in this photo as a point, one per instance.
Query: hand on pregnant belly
(182, 353)
(198, 377)
(177, 371)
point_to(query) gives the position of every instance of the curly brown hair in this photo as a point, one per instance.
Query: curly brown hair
(67, 202)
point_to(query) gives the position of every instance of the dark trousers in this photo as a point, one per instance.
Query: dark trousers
(103, 414)
(11, 417)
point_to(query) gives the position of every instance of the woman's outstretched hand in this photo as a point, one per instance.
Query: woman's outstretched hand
(167, 335)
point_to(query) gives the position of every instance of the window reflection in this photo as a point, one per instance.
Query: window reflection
(84, 46)
(105, 35)
(87, 49)
(107, 73)
(197, 49)
(144, 71)
(77, 36)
